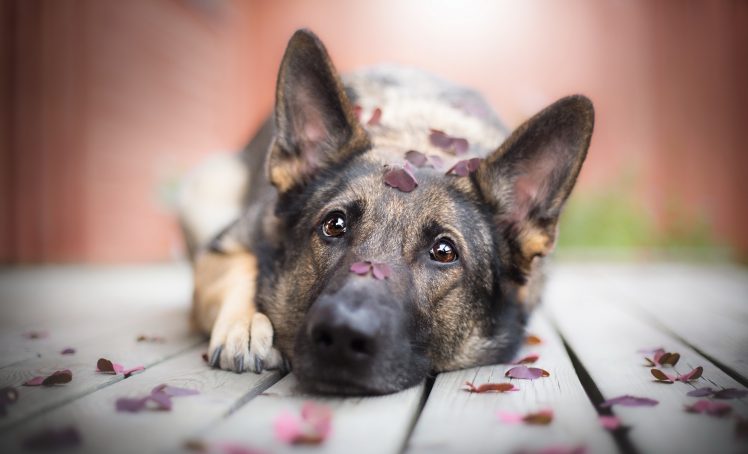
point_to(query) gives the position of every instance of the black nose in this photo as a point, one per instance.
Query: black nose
(342, 332)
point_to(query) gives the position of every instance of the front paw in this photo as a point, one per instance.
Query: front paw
(243, 344)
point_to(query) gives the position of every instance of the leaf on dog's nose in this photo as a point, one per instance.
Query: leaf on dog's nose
(490, 387)
(361, 268)
(685, 378)
(529, 359)
(59, 377)
(68, 351)
(380, 271)
(526, 373)
(540, 418)
(629, 401)
(531, 339)
(709, 407)
(610, 422)
(465, 167)
(727, 393)
(376, 117)
(312, 427)
(453, 145)
(53, 439)
(401, 178)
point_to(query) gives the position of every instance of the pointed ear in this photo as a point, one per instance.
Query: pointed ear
(528, 179)
(314, 122)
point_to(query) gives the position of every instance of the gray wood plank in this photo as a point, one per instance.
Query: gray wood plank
(605, 336)
(454, 420)
(362, 425)
(102, 429)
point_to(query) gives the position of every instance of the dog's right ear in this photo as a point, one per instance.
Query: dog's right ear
(314, 123)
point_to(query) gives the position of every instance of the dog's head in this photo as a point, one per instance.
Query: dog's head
(460, 250)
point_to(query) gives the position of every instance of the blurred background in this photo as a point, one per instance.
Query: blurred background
(106, 103)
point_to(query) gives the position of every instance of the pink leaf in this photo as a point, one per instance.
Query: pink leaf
(35, 381)
(610, 422)
(53, 439)
(68, 351)
(287, 427)
(161, 400)
(381, 271)
(319, 417)
(131, 405)
(490, 387)
(360, 268)
(529, 359)
(526, 373)
(693, 375)
(510, 418)
(312, 427)
(465, 167)
(709, 407)
(401, 178)
(453, 145)
(416, 158)
(59, 377)
(376, 116)
(132, 370)
(629, 401)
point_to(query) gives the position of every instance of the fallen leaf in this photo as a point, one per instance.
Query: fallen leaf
(376, 116)
(701, 392)
(629, 401)
(416, 158)
(381, 271)
(526, 373)
(36, 334)
(131, 405)
(693, 375)
(174, 391)
(529, 359)
(540, 418)
(660, 357)
(662, 376)
(312, 427)
(68, 351)
(34, 381)
(709, 407)
(132, 370)
(59, 377)
(151, 339)
(730, 393)
(401, 178)
(465, 167)
(50, 439)
(318, 416)
(105, 366)
(159, 399)
(610, 422)
(532, 339)
(509, 417)
(490, 387)
(220, 447)
(452, 145)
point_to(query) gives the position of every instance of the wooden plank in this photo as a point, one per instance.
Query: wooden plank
(362, 425)
(704, 306)
(454, 420)
(605, 336)
(102, 429)
(118, 346)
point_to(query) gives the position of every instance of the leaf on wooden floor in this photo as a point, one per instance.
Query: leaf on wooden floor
(730, 393)
(151, 339)
(53, 439)
(540, 418)
(531, 339)
(452, 145)
(630, 401)
(526, 373)
(106, 366)
(490, 387)
(160, 399)
(610, 422)
(59, 377)
(662, 377)
(132, 370)
(661, 358)
(311, 427)
(401, 178)
(68, 351)
(709, 407)
(36, 334)
(529, 359)
(465, 167)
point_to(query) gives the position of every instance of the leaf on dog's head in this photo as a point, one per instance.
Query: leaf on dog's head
(610, 422)
(376, 117)
(53, 439)
(531, 339)
(529, 359)
(416, 158)
(540, 418)
(629, 401)
(68, 351)
(709, 407)
(360, 268)
(401, 178)
(526, 373)
(465, 167)
(453, 145)
(381, 271)
(490, 387)
(36, 334)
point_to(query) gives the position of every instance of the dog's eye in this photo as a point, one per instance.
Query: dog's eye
(334, 225)
(443, 251)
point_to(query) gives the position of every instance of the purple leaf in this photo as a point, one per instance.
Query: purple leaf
(416, 158)
(701, 392)
(730, 393)
(360, 268)
(68, 351)
(629, 401)
(610, 422)
(50, 439)
(465, 167)
(35, 381)
(162, 400)
(526, 373)
(401, 178)
(174, 391)
(131, 405)
(381, 271)
(709, 407)
(452, 145)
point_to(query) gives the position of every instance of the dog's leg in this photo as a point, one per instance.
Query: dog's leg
(224, 306)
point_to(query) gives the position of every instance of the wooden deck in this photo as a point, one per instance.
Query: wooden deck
(594, 319)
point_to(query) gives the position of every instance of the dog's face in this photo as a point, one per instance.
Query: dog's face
(459, 250)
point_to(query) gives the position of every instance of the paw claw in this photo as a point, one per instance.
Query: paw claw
(216, 356)
(239, 363)
(258, 364)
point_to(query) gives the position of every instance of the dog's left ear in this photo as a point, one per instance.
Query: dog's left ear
(314, 122)
(528, 179)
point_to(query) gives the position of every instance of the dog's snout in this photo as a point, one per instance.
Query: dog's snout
(343, 333)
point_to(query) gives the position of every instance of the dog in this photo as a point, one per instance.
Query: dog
(378, 229)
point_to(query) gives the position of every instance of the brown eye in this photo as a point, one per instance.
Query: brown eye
(443, 251)
(334, 225)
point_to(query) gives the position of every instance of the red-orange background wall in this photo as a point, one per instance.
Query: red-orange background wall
(105, 103)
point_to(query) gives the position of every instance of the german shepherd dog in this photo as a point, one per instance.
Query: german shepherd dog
(394, 230)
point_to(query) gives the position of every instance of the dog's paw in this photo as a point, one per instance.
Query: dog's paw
(240, 345)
